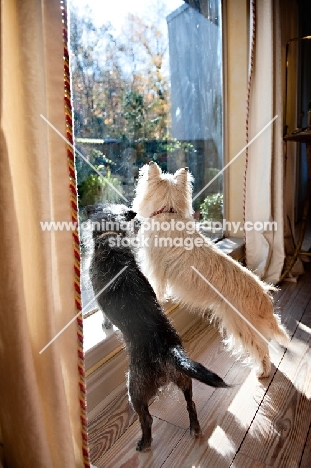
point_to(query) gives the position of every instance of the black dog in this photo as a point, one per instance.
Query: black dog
(156, 355)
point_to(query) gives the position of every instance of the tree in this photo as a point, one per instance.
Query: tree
(120, 89)
(145, 48)
(99, 189)
(96, 77)
(120, 92)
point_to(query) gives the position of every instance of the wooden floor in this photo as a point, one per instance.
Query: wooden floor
(254, 424)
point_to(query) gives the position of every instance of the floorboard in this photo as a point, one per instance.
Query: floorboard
(107, 428)
(277, 434)
(306, 455)
(124, 455)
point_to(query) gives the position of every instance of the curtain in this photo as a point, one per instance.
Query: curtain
(264, 174)
(42, 413)
(266, 178)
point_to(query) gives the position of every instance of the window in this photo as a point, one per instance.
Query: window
(147, 85)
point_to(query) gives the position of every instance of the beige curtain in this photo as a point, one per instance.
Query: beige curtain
(40, 415)
(264, 179)
(276, 23)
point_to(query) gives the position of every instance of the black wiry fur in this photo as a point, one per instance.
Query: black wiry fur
(156, 355)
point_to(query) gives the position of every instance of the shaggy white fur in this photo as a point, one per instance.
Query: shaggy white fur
(167, 264)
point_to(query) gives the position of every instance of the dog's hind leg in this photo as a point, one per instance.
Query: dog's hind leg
(185, 384)
(265, 368)
(145, 419)
(260, 353)
(140, 403)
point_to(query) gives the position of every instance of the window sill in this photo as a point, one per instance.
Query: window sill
(233, 246)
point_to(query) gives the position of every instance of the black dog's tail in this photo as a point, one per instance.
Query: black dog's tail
(194, 369)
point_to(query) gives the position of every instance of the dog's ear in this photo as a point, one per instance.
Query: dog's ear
(182, 176)
(154, 170)
(129, 215)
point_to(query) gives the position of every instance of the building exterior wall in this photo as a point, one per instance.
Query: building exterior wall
(195, 50)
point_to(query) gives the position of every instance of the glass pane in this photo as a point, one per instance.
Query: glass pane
(147, 86)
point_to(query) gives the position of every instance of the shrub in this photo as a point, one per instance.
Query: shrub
(212, 207)
(97, 189)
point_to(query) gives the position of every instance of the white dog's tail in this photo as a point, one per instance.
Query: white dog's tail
(194, 369)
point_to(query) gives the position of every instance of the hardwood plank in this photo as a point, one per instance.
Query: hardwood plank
(199, 328)
(306, 455)
(294, 303)
(288, 289)
(107, 428)
(283, 419)
(124, 455)
(247, 462)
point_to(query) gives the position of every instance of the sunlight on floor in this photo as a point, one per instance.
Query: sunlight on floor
(304, 327)
(299, 360)
(220, 442)
(237, 406)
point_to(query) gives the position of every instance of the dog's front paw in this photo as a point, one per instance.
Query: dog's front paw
(143, 446)
(106, 325)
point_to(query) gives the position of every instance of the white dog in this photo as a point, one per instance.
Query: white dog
(176, 256)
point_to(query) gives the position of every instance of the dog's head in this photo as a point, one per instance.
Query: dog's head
(156, 190)
(111, 218)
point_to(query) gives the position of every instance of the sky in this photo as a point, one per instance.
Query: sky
(116, 11)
